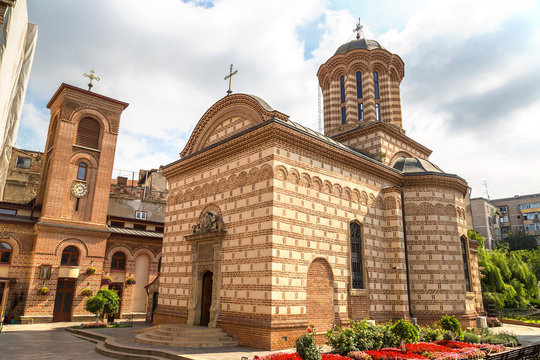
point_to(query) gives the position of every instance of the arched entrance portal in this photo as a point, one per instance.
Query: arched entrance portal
(206, 297)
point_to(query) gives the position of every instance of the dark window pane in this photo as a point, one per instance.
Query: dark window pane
(378, 111)
(342, 87)
(67, 301)
(343, 116)
(466, 264)
(81, 172)
(360, 112)
(58, 300)
(4, 257)
(376, 83)
(359, 84)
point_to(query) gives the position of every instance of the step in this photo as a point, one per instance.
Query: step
(171, 337)
(180, 342)
(103, 349)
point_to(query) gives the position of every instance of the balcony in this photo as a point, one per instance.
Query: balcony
(71, 272)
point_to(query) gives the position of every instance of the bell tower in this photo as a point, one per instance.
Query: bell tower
(79, 154)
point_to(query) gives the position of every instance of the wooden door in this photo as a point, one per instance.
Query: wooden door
(206, 300)
(118, 288)
(3, 295)
(64, 300)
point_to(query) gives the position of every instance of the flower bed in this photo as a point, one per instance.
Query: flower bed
(438, 350)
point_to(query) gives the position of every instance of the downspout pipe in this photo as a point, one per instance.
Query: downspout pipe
(406, 254)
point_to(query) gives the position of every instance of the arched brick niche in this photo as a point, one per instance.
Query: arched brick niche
(320, 295)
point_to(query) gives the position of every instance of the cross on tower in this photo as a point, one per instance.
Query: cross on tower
(91, 77)
(231, 73)
(359, 30)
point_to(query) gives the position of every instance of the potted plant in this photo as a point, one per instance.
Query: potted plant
(91, 271)
(43, 290)
(130, 281)
(86, 292)
(106, 280)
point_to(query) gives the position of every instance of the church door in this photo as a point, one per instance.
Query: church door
(206, 298)
(64, 300)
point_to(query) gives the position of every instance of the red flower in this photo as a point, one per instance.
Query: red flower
(309, 330)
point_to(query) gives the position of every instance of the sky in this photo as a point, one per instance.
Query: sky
(471, 91)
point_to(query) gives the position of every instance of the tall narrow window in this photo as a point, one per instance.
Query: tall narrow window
(81, 171)
(356, 256)
(360, 112)
(342, 87)
(376, 83)
(343, 115)
(378, 111)
(358, 84)
(70, 256)
(466, 264)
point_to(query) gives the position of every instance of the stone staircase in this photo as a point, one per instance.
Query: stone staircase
(182, 335)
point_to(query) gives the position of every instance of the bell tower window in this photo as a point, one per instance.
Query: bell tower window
(360, 112)
(378, 111)
(88, 133)
(342, 88)
(358, 84)
(81, 171)
(343, 115)
(376, 84)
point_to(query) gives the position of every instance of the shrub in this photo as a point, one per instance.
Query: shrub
(470, 337)
(450, 323)
(430, 333)
(405, 331)
(501, 338)
(367, 336)
(306, 348)
(112, 303)
(341, 340)
(535, 303)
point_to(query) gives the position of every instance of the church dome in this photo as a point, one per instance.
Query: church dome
(358, 44)
(412, 165)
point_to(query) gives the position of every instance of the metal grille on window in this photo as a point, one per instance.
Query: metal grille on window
(356, 256)
(88, 133)
(466, 265)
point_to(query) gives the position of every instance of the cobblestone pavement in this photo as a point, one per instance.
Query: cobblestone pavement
(44, 342)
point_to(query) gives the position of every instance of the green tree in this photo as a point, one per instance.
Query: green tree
(520, 240)
(95, 305)
(112, 300)
(406, 332)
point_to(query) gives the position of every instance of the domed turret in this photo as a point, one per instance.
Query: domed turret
(360, 83)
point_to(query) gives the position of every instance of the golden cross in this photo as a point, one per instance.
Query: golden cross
(359, 30)
(231, 73)
(91, 77)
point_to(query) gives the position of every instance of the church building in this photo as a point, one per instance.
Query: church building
(271, 226)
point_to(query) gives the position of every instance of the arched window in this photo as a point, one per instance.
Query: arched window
(81, 171)
(466, 267)
(88, 133)
(356, 256)
(118, 261)
(376, 83)
(343, 115)
(5, 253)
(342, 88)
(70, 256)
(358, 84)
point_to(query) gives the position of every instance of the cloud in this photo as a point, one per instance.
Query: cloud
(469, 91)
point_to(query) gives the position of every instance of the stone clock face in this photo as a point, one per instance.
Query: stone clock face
(79, 190)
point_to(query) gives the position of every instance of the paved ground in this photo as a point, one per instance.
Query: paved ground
(51, 341)
(44, 342)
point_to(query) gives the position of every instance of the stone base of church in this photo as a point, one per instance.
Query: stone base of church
(466, 321)
(168, 317)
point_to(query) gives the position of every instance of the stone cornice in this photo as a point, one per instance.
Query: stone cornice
(437, 179)
(275, 131)
(385, 128)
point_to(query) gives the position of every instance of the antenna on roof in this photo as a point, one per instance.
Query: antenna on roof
(486, 186)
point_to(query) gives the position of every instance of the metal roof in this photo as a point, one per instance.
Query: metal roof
(358, 44)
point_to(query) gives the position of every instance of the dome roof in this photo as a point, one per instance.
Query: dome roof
(411, 165)
(358, 44)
